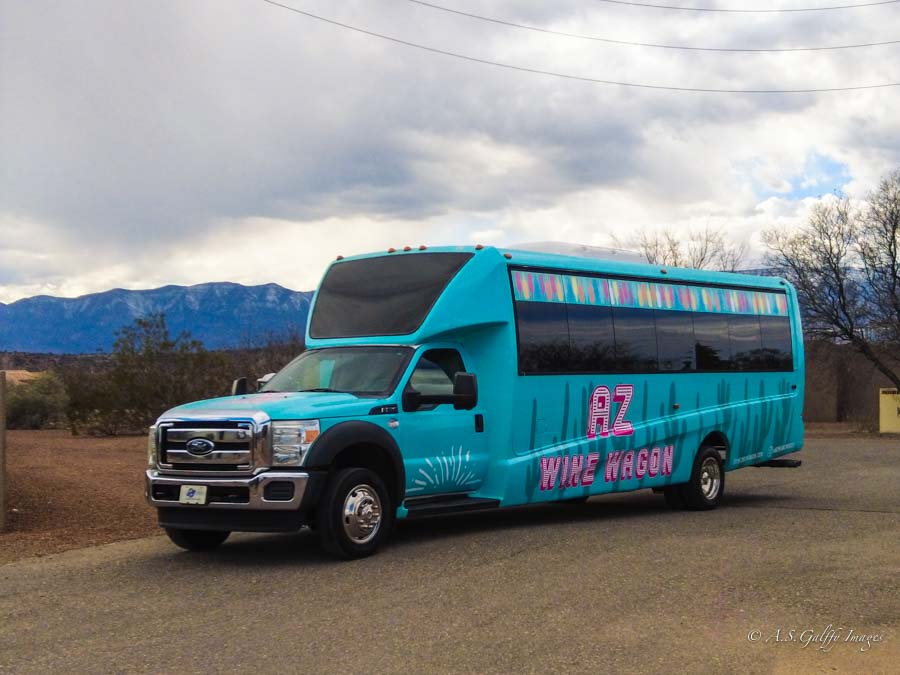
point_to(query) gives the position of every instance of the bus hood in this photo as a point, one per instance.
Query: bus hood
(277, 406)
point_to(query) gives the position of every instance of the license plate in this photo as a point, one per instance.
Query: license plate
(192, 494)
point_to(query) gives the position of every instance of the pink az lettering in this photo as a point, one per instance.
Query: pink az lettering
(600, 409)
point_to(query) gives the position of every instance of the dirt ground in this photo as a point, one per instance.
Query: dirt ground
(618, 584)
(70, 492)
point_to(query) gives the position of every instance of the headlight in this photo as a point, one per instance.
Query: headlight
(151, 448)
(291, 441)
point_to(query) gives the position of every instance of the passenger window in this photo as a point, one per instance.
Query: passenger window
(435, 372)
(543, 337)
(776, 342)
(675, 341)
(746, 346)
(593, 348)
(635, 331)
(713, 343)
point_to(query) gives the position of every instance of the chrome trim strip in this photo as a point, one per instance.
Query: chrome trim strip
(242, 457)
(182, 435)
(256, 487)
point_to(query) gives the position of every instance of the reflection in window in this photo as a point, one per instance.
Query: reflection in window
(712, 341)
(591, 339)
(635, 331)
(364, 371)
(556, 337)
(435, 372)
(746, 345)
(675, 340)
(543, 337)
(775, 332)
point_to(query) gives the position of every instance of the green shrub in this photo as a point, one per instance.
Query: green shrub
(150, 372)
(38, 404)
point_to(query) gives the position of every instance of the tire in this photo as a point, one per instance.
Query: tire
(196, 540)
(355, 515)
(707, 484)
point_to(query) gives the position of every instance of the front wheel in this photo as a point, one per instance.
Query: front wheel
(704, 491)
(355, 515)
(196, 540)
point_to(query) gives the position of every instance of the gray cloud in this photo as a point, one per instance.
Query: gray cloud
(132, 129)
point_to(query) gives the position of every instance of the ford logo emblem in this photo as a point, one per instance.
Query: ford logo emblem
(200, 446)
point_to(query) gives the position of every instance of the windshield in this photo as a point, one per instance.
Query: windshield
(363, 371)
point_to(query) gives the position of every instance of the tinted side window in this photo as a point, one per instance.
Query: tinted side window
(746, 344)
(435, 371)
(712, 341)
(591, 339)
(386, 295)
(675, 341)
(543, 337)
(776, 342)
(635, 332)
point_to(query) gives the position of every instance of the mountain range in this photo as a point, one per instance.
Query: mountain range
(221, 314)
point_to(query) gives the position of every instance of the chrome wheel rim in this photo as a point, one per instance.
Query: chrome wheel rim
(710, 478)
(362, 514)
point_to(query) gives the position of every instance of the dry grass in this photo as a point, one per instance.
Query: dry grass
(20, 376)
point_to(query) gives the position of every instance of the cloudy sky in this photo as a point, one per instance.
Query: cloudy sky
(184, 141)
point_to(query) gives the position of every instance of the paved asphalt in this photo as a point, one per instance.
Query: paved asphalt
(619, 584)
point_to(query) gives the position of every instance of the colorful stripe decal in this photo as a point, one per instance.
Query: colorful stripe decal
(546, 287)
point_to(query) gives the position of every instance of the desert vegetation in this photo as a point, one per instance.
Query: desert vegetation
(148, 372)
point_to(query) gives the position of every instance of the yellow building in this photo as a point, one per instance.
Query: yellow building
(889, 409)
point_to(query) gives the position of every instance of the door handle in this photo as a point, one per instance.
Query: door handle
(479, 423)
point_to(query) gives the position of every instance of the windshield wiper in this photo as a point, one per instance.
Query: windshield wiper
(324, 389)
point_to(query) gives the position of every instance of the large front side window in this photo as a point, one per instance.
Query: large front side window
(387, 295)
(363, 371)
(434, 374)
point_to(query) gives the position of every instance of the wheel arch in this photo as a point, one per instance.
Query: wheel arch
(718, 440)
(364, 444)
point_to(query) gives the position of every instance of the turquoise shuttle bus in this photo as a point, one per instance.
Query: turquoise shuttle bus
(442, 380)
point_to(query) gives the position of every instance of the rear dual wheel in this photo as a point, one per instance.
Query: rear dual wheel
(705, 488)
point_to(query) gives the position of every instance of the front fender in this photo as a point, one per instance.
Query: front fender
(346, 434)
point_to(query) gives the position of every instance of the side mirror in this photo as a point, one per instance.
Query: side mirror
(465, 391)
(464, 396)
(264, 380)
(412, 400)
(239, 386)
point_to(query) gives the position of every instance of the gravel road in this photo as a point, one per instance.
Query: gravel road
(619, 584)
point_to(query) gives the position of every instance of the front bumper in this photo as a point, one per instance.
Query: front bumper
(248, 493)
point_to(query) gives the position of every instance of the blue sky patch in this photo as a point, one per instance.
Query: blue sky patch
(821, 175)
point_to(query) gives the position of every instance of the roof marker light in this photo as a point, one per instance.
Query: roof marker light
(478, 247)
(508, 256)
(392, 250)
(407, 248)
(422, 247)
(664, 271)
(340, 257)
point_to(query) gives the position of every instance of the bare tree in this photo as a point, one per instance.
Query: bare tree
(878, 245)
(844, 264)
(700, 249)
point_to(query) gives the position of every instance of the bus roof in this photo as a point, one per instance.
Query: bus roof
(614, 265)
(455, 308)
